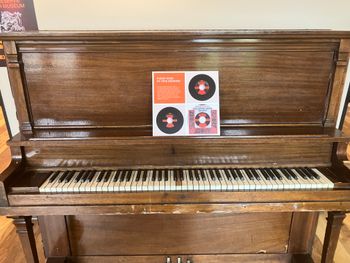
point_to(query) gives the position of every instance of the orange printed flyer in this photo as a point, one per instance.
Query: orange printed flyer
(185, 103)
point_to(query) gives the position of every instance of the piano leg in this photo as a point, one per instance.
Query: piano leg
(334, 223)
(24, 229)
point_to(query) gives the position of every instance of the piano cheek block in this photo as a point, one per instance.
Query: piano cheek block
(104, 189)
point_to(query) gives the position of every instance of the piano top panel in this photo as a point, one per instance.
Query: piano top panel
(103, 79)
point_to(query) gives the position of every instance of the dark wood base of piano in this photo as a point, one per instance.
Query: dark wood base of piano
(233, 258)
(79, 239)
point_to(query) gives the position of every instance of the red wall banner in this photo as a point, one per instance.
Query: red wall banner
(15, 16)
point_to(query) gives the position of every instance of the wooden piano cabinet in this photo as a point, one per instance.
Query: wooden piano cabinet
(84, 102)
(277, 236)
(24, 229)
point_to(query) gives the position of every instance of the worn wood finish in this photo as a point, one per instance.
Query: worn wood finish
(24, 228)
(55, 237)
(166, 209)
(84, 101)
(335, 196)
(334, 222)
(155, 234)
(169, 153)
(302, 232)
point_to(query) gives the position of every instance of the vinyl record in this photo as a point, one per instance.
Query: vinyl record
(170, 120)
(202, 87)
(202, 120)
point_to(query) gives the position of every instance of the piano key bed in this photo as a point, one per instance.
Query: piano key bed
(212, 179)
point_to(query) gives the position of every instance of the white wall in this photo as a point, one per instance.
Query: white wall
(192, 14)
(183, 14)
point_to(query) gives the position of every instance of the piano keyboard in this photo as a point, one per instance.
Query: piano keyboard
(221, 179)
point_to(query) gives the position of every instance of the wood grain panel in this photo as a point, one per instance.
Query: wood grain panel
(179, 234)
(54, 233)
(114, 88)
(200, 152)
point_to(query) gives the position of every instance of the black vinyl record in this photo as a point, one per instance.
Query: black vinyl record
(170, 120)
(202, 120)
(202, 87)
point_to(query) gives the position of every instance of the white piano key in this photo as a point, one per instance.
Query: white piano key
(206, 183)
(224, 184)
(70, 187)
(133, 185)
(325, 181)
(94, 183)
(196, 184)
(55, 183)
(44, 188)
(171, 183)
(249, 184)
(108, 186)
(287, 183)
(128, 183)
(139, 183)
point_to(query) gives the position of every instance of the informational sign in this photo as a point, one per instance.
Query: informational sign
(16, 16)
(186, 103)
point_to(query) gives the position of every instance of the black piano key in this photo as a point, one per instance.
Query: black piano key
(159, 176)
(256, 175)
(249, 174)
(271, 175)
(85, 177)
(138, 175)
(227, 174)
(287, 170)
(286, 174)
(277, 175)
(201, 174)
(122, 175)
(304, 176)
(190, 175)
(239, 174)
(182, 177)
(144, 177)
(265, 174)
(196, 176)
(69, 176)
(54, 176)
(166, 175)
(128, 175)
(80, 175)
(100, 176)
(212, 175)
(108, 174)
(315, 175)
(91, 176)
(234, 174)
(63, 176)
(154, 175)
(218, 175)
(176, 174)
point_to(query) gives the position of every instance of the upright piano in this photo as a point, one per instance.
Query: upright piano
(103, 189)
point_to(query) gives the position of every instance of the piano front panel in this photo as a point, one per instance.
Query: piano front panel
(110, 84)
(200, 152)
(179, 234)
